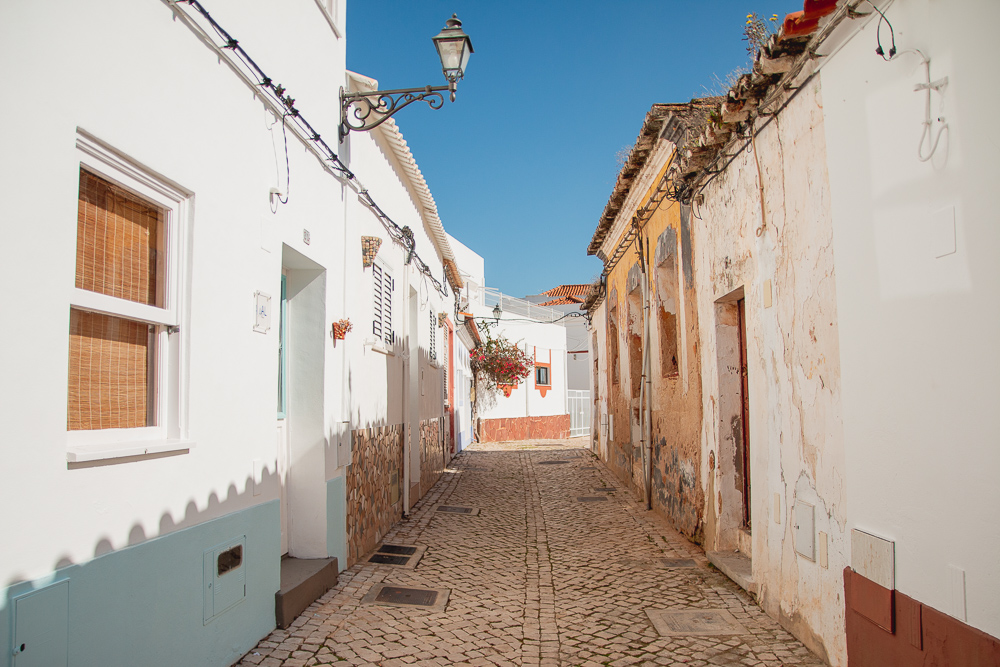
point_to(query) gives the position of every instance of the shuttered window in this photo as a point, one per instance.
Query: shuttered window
(383, 286)
(434, 335)
(120, 239)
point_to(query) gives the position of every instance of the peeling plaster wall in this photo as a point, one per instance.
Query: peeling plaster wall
(795, 429)
(675, 382)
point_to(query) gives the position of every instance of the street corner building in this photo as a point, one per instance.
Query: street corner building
(243, 366)
(788, 339)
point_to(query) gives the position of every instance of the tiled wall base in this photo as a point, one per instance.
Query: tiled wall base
(432, 455)
(374, 488)
(524, 428)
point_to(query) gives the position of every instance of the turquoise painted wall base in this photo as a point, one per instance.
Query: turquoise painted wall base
(336, 517)
(144, 605)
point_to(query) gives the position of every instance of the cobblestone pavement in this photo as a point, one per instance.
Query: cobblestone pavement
(538, 577)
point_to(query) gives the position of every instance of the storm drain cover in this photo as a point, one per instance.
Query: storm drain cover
(397, 549)
(419, 597)
(591, 499)
(695, 623)
(607, 489)
(551, 463)
(397, 554)
(431, 599)
(386, 559)
(678, 562)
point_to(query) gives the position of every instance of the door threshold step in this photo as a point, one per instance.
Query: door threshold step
(303, 581)
(735, 565)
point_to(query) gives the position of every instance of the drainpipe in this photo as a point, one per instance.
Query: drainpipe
(405, 360)
(647, 384)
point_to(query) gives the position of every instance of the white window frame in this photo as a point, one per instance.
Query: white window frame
(169, 432)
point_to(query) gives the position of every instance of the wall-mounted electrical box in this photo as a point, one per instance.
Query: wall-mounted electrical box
(41, 627)
(804, 527)
(225, 577)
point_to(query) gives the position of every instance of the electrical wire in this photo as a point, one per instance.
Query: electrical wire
(878, 34)
(281, 102)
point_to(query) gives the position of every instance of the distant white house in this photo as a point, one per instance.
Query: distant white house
(538, 407)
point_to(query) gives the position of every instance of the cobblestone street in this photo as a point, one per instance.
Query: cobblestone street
(536, 577)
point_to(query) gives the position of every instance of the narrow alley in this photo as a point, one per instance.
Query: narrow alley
(555, 564)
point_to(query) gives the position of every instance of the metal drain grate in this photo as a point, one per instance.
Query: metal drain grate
(397, 549)
(606, 489)
(387, 559)
(454, 510)
(678, 562)
(418, 597)
(591, 499)
(551, 463)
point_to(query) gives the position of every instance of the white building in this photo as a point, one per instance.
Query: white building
(181, 414)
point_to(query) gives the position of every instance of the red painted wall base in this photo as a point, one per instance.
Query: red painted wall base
(524, 428)
(917, 635)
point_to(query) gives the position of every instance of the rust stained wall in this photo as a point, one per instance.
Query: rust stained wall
(432, 454)
(374, 491)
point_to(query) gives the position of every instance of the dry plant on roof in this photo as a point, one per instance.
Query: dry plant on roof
(498, 366)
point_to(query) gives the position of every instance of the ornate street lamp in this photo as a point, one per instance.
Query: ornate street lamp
(496, 312)
(372, 109)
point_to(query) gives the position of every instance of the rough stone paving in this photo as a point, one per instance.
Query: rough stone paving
(537, 578)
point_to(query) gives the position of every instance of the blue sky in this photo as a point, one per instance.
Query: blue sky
(522, 164)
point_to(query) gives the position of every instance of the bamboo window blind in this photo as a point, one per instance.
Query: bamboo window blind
(116, 242)
(110, 358)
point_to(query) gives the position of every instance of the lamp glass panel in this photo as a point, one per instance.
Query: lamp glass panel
(450, 52)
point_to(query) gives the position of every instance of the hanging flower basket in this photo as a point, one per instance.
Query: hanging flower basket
(341, 327)
(506, 389)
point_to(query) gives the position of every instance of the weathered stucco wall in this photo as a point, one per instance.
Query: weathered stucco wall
(675, 376)
(374, 491)
(765, 228)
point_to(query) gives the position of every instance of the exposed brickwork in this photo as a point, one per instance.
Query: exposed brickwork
(512, 429)
(536, 579)
(376, 462)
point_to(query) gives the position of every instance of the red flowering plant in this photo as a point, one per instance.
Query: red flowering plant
(498, 365)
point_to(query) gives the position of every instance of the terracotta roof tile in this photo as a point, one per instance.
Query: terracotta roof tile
(564, 300)
(567, 290)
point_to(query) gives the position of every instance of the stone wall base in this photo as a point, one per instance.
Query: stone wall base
(524, 428)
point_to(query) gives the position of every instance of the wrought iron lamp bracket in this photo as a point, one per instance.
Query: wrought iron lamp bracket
(365, 111)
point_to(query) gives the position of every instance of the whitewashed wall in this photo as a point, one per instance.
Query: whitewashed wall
(916, 288)
(139, 80)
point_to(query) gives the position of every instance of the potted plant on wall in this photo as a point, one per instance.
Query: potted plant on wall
(341, 328)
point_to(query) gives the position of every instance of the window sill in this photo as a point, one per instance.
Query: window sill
(100, 452)
(380, 348)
